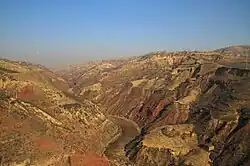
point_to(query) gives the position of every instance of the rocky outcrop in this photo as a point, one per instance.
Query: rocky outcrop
(183, 108)
(164, 93)
(41, 124)
(218, 115)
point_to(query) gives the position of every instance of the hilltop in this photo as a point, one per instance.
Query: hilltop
(189, 106)
(162, 108)
(41, 124)
(241, 50)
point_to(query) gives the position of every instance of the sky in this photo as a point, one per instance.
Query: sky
(60, 32)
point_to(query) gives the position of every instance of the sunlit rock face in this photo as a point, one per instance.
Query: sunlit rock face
(187, 104)
(41, 124)
(182, 108)
(214, 107)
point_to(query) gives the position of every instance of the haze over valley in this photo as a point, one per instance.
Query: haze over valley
(124, 83)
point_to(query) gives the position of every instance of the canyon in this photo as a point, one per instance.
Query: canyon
(162, 108)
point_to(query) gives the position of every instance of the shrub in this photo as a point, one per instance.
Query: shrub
(3, 94)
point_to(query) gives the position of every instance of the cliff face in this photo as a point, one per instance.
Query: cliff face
(209, 129)
(41, 124)
(191, 107)
(183, 108)
(134, 88)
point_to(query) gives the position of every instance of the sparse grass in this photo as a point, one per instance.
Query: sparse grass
(3, 95)
(36, 97)
(136, 83)
(198, 158)
(191, 97)
(178, 138)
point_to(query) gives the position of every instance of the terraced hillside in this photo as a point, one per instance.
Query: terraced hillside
(176, 108)
(192, 108)
(41, 124)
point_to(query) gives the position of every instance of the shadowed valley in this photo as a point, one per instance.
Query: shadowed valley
(163, 108)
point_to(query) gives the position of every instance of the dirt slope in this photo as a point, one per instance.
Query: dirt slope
(179, 108)
(41, 124)
(188, 105)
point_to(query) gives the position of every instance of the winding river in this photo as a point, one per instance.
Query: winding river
(130, 129)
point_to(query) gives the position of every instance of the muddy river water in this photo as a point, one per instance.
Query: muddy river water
(115, 151)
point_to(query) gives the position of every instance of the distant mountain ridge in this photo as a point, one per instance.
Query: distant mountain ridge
(188, 105)
(162, 108)
(241, 50)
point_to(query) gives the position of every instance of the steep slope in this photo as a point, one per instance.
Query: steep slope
(41, 124)
(243, 50)
(190, 106)
(138, 82)
(205, 129)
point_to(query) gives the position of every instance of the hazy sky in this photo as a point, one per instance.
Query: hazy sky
(54, 32)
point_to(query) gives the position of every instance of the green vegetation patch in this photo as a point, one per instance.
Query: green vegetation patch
(3, 94)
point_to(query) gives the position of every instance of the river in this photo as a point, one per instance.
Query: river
(115, 151)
